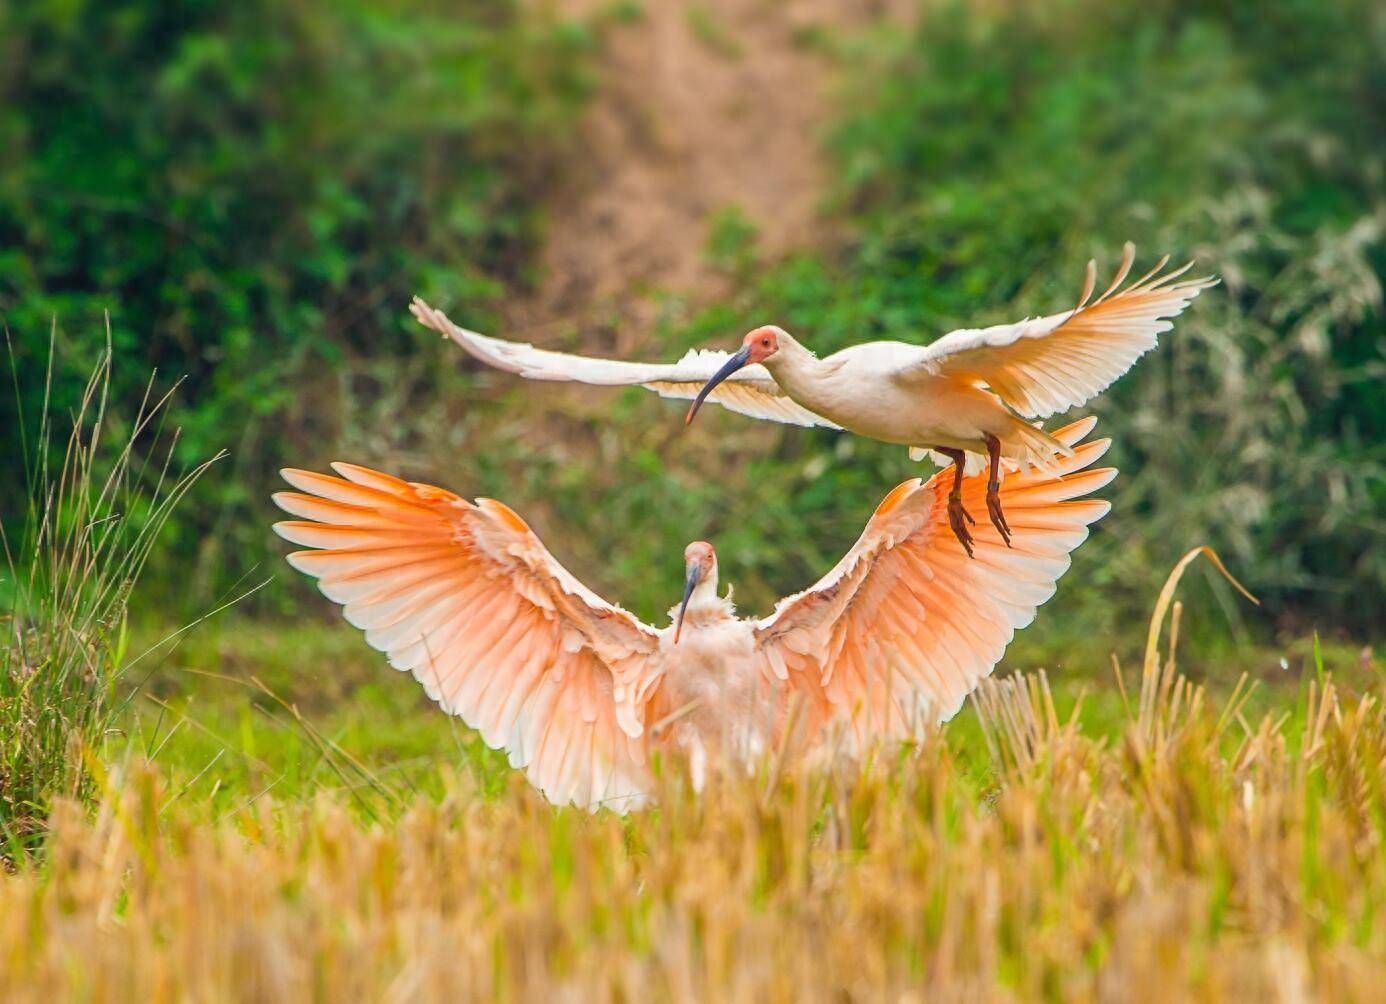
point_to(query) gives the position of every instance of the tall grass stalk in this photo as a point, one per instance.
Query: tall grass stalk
(100, 489)
(1237, 860)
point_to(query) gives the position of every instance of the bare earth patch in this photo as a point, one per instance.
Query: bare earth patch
(702, 106)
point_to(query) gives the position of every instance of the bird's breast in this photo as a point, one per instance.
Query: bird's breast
(711, 675)
(709, 651)
(925, 411)
(874, 406)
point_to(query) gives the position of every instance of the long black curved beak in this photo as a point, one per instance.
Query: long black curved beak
(695, 575)
(728, 368)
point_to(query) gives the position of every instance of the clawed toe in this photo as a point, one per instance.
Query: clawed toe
(998, 518)
(958, 518)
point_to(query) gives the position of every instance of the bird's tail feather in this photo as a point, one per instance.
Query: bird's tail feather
(1029, 444)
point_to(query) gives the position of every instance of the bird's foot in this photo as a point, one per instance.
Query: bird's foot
(998, 518)
(958, 518)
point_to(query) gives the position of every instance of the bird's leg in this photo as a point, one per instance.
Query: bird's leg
(998, 518)
(958, 517)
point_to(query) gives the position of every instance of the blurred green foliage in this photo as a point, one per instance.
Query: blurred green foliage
(255, 190)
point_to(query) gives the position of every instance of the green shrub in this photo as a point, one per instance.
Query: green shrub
(253, 191)
(90, 521)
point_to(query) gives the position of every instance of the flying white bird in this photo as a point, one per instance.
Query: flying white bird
(970, 395)
(579, 692)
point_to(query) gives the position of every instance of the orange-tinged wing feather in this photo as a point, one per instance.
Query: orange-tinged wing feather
(1050, 364)
(897, 635)
(466, 598)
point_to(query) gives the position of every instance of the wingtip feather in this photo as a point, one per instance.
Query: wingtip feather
(285, 501)
(1102, 477)
(296, 562)
(1075, 432)
(370, 478)
(307, 481)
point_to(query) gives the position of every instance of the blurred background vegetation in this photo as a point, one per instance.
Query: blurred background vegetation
(253, 191)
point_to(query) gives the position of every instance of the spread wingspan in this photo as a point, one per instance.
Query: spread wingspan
(750, 391)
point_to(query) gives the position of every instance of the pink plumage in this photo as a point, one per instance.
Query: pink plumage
(579, 692)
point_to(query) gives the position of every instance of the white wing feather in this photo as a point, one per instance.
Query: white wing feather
(749, 391)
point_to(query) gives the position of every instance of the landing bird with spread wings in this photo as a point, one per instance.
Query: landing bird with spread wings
(580, 693)
(968, 398)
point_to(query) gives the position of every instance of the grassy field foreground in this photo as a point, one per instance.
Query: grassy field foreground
(1195, 850)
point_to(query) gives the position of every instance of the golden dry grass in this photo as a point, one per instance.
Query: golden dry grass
(1199, 856)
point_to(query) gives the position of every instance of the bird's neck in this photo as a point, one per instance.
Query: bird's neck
(705, 593)
(705, 605)
(797, 370)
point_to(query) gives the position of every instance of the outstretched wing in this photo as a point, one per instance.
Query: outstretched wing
(895, 637)
(466, 597)
(1049, 364)
(749, 391)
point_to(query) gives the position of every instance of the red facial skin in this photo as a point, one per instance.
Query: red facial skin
(763, 343)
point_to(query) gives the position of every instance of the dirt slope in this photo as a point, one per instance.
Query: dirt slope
(702, 106)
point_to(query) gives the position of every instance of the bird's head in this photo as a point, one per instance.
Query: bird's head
(759, 345)
(700, 575)
(762, 343)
